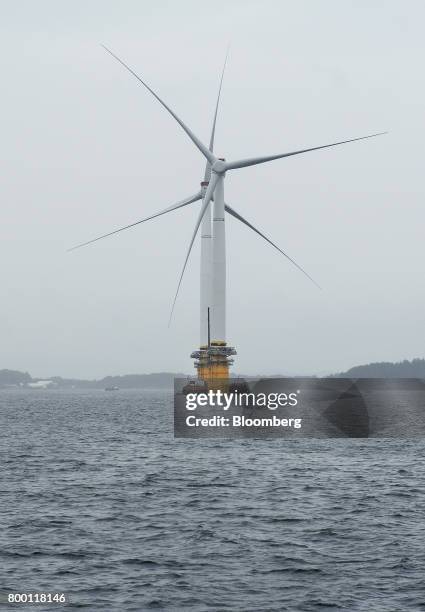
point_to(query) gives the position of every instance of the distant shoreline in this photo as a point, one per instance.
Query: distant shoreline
(165, 380)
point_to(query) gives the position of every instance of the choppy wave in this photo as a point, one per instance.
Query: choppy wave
(100, 502)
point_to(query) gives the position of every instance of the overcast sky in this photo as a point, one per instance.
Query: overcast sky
(86, 149)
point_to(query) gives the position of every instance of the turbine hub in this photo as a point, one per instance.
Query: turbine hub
(218, 166)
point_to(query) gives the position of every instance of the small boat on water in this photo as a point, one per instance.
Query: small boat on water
(114, 388)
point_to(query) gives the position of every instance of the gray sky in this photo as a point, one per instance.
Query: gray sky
(85, 149)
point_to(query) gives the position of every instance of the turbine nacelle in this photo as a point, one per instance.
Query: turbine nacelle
(219, 166)
(204, 186)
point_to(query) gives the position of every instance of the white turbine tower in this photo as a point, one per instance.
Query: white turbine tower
(213, 356)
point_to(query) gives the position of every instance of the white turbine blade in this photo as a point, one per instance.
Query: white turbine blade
(206, 201)
(217, 103)
(204, 150)
(211, 147)
(180, 204)
(252, 161)
(240, 218)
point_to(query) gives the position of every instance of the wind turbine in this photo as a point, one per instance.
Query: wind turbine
(214, 356)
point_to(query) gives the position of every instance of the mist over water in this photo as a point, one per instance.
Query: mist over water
(100, 502)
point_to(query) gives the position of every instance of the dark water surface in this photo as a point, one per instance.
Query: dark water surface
(99, 501)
